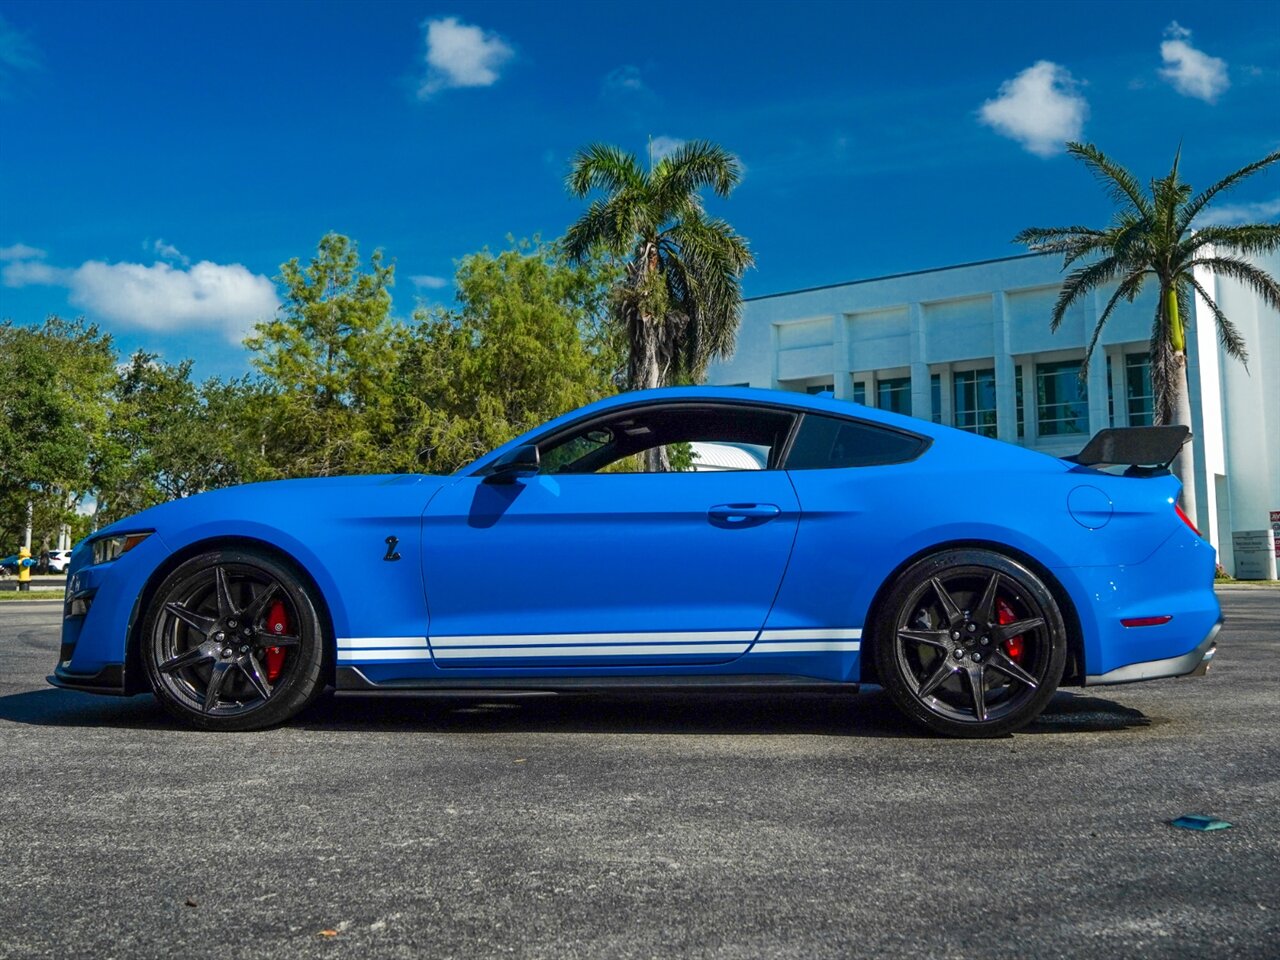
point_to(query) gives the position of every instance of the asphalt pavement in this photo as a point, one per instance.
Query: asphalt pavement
(673, 826)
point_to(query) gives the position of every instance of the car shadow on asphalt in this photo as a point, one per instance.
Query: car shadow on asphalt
(869, 714)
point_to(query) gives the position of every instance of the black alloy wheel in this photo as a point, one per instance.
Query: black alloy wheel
(971, 644)
(232, 641)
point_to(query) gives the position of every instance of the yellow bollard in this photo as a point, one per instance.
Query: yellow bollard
(25, 563)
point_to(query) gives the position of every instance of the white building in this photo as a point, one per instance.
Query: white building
(970, 346)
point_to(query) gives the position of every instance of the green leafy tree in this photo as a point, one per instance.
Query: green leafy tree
(1153, 240)
(679, 301)
(528, 340)
(326, 363)
(53, 416)
(172, 438)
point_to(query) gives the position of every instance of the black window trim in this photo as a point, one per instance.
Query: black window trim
(784, 449)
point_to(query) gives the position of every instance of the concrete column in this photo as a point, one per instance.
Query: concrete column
(843, 385)
(1098, 419)
(1119, 390)
(920, 392)
(1006, 406)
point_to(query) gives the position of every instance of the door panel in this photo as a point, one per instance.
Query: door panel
(605, 569)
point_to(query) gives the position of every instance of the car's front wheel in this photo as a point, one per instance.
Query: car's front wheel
(232, 641)
(971, 643)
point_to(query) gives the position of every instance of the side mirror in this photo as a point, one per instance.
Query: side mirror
(520, 462)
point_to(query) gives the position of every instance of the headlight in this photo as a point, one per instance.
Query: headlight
(112, 548)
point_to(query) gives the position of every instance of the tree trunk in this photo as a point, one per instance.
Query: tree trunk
(647, 376)
(1184, 462)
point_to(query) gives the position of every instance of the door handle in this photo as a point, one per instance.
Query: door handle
(742, 514)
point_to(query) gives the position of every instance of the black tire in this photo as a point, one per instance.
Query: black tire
(970, 643)
(205, 640)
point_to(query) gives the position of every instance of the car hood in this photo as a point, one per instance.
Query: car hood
(324, 496)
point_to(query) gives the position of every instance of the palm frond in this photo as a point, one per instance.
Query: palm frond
(694, 165)
(1128, 289)
(602, 166)
(1205, 197)
(1228, 335)
(1256, 279)
(1080, 282)
(1120, 183)
(1250, 239)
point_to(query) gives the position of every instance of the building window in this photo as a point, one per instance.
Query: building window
(815, 388)
(860, 392)
(894, 394)
(935, 396)
(1017, 399)
(1138, 392)
(975, 401)
(1062, 402)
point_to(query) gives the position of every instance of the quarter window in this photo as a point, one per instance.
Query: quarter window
(826, 442)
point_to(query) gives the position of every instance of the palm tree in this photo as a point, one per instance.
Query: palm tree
(680, 299)
(1152, 238)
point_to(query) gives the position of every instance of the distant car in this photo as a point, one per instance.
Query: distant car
(58, 560)
(829, 545)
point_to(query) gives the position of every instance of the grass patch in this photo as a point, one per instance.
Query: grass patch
(30, 595)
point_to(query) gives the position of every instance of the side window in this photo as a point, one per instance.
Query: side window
(671, 437)
(824, 442)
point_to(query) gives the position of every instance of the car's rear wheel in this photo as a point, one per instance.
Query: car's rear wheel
(232, 641)
(971, 643)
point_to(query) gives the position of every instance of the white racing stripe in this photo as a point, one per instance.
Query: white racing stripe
(819, 646)
(603, 650)
(366, 643)
(565, 639)
(730, 643)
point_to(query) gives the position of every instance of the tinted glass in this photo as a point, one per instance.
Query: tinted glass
(824, 442)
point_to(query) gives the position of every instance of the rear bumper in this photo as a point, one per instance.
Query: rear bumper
(1193, 663)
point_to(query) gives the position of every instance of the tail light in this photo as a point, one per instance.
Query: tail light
(1185, 518)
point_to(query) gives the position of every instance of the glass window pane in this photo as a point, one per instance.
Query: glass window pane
(1062, 403)
(1138, 392)
(860, 392)
(825, 442)
(1017, 399)
(975, 401)
(935, 396)
(894, 394)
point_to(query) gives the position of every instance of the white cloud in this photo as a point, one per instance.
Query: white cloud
(20, 251)
(1230, 214)
(624, 79)
(425, 281)
(1041, 108)
(461, 55)
(26, 273)
(1192, 72)
(664, 146)
(161, 297)
(167, 251)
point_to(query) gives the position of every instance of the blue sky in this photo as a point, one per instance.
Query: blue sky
(159, 161)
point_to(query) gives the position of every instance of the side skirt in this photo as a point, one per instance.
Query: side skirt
(349, 680)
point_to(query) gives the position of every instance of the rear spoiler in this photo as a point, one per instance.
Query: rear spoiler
(1143, 448)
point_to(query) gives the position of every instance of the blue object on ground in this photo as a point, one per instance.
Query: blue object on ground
(1198, 821)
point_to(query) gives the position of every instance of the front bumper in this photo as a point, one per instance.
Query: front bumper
(108, 680)
(1193, 663)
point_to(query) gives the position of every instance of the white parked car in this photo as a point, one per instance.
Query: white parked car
(58, 560)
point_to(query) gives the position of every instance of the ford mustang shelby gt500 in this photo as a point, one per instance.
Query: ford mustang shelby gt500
(834, 545)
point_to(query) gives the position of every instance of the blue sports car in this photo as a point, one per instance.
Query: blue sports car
(700, 538)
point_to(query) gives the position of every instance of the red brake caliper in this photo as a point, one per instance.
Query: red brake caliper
(277, 622)
(1013, 646)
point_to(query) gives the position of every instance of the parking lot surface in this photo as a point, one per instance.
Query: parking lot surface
(698, 826)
